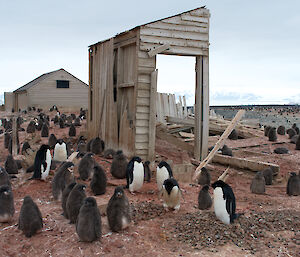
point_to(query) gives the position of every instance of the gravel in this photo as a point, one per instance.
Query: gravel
(146, 211)
(250, 232)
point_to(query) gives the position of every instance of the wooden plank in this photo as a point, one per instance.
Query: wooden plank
(142, 123)
(188, 17)
(185, 134)
(141, 146)
(144, 116)
(162, 134)
(178, 21)
(173, 42)
(185, 114)
(243, 163)
(126, 42)
(173, 34)
(159, 49)
(176, 27)
(152, 116)
(146, 62)
(142, 130)
(198, 109)
(144, 86)
(143, 109)
(159, 115)
(142, 138)
(143, 78)
(220, 143)
(205, 107)
(127, 84)
(143, 101)
(143, 93)
(178, 50)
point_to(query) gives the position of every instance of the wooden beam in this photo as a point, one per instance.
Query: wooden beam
(152, 115)
(159, 49)
(220, 143)
(127, 84)
(243, 163)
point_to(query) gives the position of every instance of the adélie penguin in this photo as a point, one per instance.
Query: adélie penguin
(135, 174)
(42, 163)
(163, 172)
(60, 151)
(224, 202)
(171, 194)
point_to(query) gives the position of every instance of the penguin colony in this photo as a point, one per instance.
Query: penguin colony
(84, 212)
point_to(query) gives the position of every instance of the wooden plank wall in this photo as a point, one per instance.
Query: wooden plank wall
(166, 106)
(187, 34)
(146, 65)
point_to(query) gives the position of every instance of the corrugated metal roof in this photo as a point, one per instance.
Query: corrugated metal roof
(202, 7)
(40, 78)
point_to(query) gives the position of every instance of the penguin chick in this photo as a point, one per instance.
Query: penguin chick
(171, 194)
(63, 177)
(163, 172)
(204, 178)
(97, 146)
(60, 151)
(298, 143)
(4, 178)
(44, 130)
(226, 151)
(72, 131)
(31, 127)
(88, 224)
(118, 211)
(86, 166)
(281, 150)
(7, 138)
(204, 198)
(272, 134)
(293, 185)
(64, 199)
(25, 147)
(266, 130)
(281, 130)
(224, 202)
(268, 175)
(30, 219)
(109, 153)
(52, 141)
(75, 201)
(147, 171)
(258, 184)
(135, 174)
(233, 135)
(291, 132)
(99, 180)
(10, 165)
(7, 208)
(119, 165)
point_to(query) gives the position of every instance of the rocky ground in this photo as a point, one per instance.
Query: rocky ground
(269, 226)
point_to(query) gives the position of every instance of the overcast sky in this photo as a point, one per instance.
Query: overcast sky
(254, 45)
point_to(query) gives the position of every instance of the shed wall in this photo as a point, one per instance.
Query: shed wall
(8, 101)
(45, 94)
(22, 100)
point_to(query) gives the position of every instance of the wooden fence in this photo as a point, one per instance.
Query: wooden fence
(166, 106)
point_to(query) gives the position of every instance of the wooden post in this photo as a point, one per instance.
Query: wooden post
(152, 116)
(185, 114)
(14, 137)
(201, 108)
(220, 143)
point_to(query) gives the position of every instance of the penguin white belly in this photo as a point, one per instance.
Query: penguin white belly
(138, 177)
(220, 206)
(172, 200)
(60, 152)
(45, 173)
(161, 175)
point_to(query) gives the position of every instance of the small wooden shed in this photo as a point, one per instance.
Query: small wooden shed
(57, 87)
(123, 81)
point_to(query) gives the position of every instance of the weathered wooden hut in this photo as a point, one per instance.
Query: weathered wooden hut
(58, 88)
(123, 79)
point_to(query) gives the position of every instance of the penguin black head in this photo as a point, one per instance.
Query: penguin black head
(169, 184)
(293, 174)
(5, 189)
(90, 201)
(119, 192)
(60, 141)
(136, 159)
(147, 163)
(44, 147)
(89, 154)
(219, 183)
(162, 164)
(27, 199)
